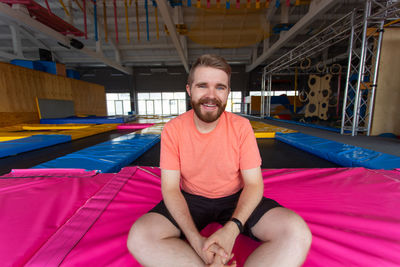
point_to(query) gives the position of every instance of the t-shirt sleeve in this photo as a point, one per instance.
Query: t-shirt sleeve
(169, 155)
(249, 153)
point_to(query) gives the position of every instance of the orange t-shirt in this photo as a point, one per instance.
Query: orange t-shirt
(209, 163)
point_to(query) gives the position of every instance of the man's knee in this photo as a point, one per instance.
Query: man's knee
(136, 236)
(282, 224)
(296, 231)
(148, 230)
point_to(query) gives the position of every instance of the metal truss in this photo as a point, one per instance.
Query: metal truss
(331, 35)
(266, 98)
(334, 33)
(363, 64)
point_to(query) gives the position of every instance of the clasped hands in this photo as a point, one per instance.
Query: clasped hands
(217, 249)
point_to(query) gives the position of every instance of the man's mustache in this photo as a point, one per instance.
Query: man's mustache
(210, 101)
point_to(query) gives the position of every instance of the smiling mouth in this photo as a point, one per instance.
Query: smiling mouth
(209, 105)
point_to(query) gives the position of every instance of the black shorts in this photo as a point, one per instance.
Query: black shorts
(207, 210)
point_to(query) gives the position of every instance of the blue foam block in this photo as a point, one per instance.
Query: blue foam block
(14, 147)
(73, 74)
(48, 66)
(34, 65)
(307, 125)
(110, 156)
(339, 153)
(88, 120)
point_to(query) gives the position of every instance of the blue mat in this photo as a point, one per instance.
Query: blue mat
(308, 125)
(110, 156)
(339, 153)
(90, 119)
(13, 147)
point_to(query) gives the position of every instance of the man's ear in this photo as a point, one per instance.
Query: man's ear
(188, 89)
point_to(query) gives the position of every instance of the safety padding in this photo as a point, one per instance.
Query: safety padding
(14, 147)
(94, 129)
(11, 137)
(106, 157)
(89, 120)
(339, 153)
(74, 130)
(307, 125)
(155, 129)
(40, 127)
(134, 126)
(351, 212)
(263, 130)
(264, 135)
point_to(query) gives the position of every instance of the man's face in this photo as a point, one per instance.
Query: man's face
(209, 93)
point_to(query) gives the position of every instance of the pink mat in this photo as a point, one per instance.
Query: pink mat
(134, 126)
(352, 213)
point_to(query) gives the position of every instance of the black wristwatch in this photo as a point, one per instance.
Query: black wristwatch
(238, 223)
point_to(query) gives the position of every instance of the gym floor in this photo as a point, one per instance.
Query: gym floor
(274, 154)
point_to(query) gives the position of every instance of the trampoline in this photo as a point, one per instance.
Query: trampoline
(77, 218)
(275, 154)
(352, 212)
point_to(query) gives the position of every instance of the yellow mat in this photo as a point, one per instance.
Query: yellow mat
(10, 138)
(76, 132)
(53, 127)
(263, 130)
(43, 127)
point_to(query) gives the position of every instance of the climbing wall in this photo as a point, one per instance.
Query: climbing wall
(318, 96)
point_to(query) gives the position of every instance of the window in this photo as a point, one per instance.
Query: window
(165, 103)
(234, 102)
(118, 104)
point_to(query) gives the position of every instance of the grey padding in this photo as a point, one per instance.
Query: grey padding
(55, 108)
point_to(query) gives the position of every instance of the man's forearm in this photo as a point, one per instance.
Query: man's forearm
(248, 201)
(177, 206)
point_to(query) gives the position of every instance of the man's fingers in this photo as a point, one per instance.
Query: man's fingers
(208, 243)
(214, 248)
(222, 253)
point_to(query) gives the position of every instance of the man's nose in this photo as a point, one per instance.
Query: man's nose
(212, 92)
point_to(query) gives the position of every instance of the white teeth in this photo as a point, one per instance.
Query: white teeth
(208, 105)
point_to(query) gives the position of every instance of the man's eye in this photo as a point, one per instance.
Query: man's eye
(221, 88)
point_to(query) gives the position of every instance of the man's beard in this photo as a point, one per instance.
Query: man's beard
(208, 116)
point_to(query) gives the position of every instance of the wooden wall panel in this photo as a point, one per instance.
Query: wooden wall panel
(90, 101)
(386, 117)
(20, 86)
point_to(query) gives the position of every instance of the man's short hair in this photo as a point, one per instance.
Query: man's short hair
(213, 61)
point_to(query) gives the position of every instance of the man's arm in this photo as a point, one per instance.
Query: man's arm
(249, 199)
(177, 206)
(251, 195)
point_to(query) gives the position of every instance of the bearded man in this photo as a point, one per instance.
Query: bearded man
(210, 172)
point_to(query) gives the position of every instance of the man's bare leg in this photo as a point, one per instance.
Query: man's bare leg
(286, 239)
(154, 241)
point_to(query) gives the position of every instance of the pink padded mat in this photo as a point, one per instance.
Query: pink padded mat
(77, 218)
(134, 126)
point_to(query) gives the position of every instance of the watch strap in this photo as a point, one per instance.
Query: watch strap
(238, 223)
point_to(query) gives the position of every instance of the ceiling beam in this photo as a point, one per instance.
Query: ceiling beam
(10, 56)
(25, 20)
(179, 20)
(37, 42)
(317, 8)
(166, 16)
